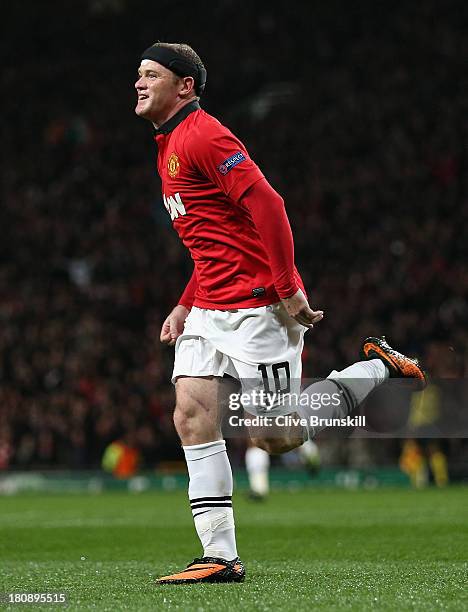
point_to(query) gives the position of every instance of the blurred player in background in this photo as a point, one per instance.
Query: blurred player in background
(257, 464)
(243, 314)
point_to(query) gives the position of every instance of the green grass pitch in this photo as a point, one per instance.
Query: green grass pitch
(307, 550)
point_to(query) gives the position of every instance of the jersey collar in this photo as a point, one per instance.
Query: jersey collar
(174, 121)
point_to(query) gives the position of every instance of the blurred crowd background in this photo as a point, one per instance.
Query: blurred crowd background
(356, 113)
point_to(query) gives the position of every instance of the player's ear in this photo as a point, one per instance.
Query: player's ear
(188, 86)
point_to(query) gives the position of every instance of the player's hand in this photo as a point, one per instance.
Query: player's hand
(298, 308)
(173, 326)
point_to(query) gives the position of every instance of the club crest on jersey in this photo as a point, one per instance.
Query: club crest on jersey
(174, 205)
(173, 165)
(230, 162)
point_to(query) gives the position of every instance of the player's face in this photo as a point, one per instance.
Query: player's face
(157, 90)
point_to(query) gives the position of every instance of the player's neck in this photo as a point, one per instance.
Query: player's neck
(174, 110)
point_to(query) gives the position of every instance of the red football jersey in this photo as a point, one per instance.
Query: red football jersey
(205, 170)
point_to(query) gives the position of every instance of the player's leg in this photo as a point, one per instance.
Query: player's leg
(337, 396)
(197, 418)
(357, 381)
(341, 392)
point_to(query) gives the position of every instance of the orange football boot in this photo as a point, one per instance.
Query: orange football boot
(207, 569)
(398, 365)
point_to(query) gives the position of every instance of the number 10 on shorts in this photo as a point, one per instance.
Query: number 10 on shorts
(277, 373)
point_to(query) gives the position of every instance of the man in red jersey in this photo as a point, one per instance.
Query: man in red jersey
(244, 311)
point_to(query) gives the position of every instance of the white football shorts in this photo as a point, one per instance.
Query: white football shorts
(260, 347)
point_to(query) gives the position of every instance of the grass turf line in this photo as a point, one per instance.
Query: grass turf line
(328, 550)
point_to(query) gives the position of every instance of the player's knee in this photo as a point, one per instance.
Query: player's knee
(185, 416)
(277, 446)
